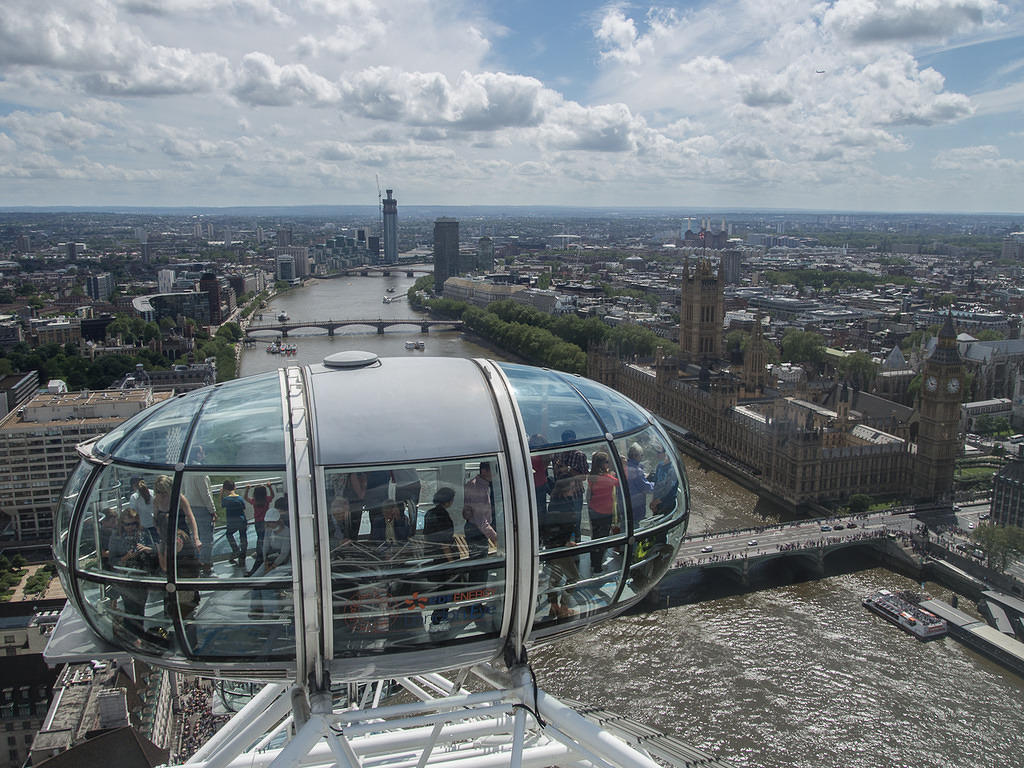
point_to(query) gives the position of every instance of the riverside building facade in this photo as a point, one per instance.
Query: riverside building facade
(799, 452)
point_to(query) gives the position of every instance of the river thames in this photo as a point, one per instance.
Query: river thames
(795, 674)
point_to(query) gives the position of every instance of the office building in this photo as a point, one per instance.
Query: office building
(391, 229)
(446, 251)
(1008, 493)
(37, 450)
(155, 307)
(299, 255)
(285, 267)
(26, 681)
(209, 284)
(16, 389)
(99, 287)
(107, 708)
(165, 280)
(485, 254)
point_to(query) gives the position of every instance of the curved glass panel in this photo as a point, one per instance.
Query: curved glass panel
(109, 441)
(417, 554)
(160, 438)
(580, 512)
(578, 494)
(650, 558)
(242, 425)
(229, 510)
(68, 499)
(103, 521)
(248, 624)
(573, 584)
(618, 413)
(550, 407)
(130, 614)
(654, 488)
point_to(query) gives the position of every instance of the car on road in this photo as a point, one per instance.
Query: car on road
(826, 528)
(752, 543)
(838, 527)
(708, 548)
(970, 525)
(851, 525)
(983, 516)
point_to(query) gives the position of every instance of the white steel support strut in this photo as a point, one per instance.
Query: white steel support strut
(512, 724)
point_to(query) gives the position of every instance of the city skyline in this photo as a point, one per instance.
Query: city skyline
(853, 105)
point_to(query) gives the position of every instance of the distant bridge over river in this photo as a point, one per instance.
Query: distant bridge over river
(284, 328)
(812, 542)
(385, 270)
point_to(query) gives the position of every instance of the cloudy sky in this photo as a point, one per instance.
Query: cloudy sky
(845, 104)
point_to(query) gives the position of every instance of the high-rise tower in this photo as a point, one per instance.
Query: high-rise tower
(446, 251)
(390, 229)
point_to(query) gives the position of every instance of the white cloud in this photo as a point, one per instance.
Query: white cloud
(485, 101)
(162, 72)
(619, 34)
(736, 98)
(255, 10)
(971, 160)
(889, 21)
(605, 128)
(197, 148)
(263, 82)
(757, 92)
(49, 131)
(66, 37)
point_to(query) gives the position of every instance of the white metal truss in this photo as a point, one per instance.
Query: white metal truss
(439, 723)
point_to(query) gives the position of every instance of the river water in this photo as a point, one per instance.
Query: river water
(794, 674)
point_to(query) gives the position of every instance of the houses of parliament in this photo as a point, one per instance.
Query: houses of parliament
(806, 447)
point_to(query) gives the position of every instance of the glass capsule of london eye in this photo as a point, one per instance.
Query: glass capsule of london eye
(367, 517)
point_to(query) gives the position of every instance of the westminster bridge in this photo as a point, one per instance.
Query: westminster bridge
(809, 543)
(283, 328)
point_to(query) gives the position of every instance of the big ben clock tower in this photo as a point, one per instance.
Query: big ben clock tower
(942, 380)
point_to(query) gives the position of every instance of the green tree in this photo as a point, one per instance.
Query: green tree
(859, 503)
(231, 331)
(803, 347)
(985, 424)
(999, 543)
(859, 369)
(736, 344)
(989, 335)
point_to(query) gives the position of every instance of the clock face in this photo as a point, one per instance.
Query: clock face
(931, 383)
(953, 386)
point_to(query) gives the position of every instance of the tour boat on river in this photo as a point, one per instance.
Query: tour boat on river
(905, 614)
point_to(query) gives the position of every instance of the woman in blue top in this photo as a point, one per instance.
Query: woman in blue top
(637, 483)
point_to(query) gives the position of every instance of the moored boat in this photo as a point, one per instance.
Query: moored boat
(905, 614)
